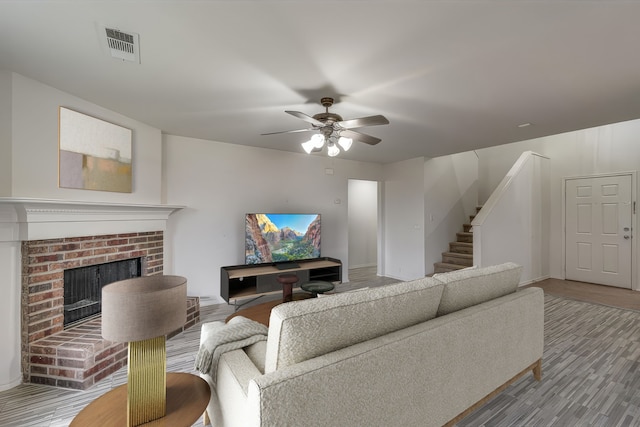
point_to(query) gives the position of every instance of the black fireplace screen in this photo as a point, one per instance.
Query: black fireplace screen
(83, 287)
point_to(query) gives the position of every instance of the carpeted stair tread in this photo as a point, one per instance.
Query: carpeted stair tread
(461, 247)
(457, 258)
(464, 237)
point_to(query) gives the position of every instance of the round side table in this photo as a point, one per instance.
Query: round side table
(187, 397)
(317, 287)
(287, 281)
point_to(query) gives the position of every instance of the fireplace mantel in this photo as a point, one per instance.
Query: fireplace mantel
(35, 219)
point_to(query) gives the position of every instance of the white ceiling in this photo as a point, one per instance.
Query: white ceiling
(450, 76)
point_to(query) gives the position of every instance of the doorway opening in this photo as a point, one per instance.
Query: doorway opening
(363, 225)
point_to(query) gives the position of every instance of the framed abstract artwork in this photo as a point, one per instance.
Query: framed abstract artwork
(93, 154)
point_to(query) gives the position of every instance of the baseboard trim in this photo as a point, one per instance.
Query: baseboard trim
(11, 384)
(393, 276)
(536, 280)
(362, 266)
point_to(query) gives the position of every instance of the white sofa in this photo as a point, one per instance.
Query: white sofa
(419, 353)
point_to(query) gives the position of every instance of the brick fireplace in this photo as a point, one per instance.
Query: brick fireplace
(39, 240)
(44, 263)
(49, 357)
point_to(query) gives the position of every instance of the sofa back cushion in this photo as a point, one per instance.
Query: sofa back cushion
(464, 288)
(305, 329)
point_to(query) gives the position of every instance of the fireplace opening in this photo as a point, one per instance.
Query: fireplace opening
(83, 287)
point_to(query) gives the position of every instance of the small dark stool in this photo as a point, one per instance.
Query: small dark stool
(287, 280)
(317, 287)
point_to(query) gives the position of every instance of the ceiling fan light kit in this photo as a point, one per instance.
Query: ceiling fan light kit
(317, 142)
(333, 130)
(345, 143)
(332, 149)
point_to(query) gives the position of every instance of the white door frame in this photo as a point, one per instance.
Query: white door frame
(634, 243)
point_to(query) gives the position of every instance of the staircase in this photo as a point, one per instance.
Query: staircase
(460, 253)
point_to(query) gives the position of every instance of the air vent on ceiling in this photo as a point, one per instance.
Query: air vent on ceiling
(123, 45)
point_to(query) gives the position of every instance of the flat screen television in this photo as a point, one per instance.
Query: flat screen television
(281, 237)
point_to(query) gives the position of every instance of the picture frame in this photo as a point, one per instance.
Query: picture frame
(93, 154)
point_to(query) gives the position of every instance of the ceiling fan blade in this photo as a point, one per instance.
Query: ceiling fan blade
(306, 118)
(288, 131)
(362, 137)
(364, 121)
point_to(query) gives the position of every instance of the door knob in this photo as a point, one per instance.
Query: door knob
(626, 237)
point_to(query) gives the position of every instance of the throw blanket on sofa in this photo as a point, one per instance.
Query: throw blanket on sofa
(240, 332)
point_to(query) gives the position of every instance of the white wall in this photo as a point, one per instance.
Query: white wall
(604, 149)
(513, 224)
(221, 182)
(363, 223)
(34, 143)
(5, 133)
(450, 196)
(403, 219)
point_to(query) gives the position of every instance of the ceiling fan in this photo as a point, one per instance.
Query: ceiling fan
(334, 130)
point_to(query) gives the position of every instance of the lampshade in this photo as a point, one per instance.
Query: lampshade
(318, 140)
(308, 146)
(144, 307)
(345, 143)
(314, 143)
(332, 150)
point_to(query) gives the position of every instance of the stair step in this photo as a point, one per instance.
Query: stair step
(467, 228)
(443, 267)
(464, 237)
(465, 260)
(471, 217)
(461, 247)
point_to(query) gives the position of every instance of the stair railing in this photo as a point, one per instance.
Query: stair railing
(513, 224)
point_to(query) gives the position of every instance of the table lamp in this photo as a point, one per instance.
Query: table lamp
(142, 311)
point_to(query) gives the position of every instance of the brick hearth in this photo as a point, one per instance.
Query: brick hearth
(78, 357)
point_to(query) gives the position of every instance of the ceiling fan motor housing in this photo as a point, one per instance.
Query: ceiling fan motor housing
(328, 118)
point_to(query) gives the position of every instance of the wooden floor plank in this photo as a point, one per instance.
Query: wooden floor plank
(589, 292)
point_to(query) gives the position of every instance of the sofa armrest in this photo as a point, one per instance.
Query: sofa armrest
(228, 406)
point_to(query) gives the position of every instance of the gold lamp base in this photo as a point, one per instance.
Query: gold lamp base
(147, 381)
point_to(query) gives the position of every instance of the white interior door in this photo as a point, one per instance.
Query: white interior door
(598, 230)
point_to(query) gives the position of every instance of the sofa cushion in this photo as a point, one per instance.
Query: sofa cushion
(305, 329)
(464, 288)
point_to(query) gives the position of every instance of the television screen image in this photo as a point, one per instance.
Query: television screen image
(281, 237)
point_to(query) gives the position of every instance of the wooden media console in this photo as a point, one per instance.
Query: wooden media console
(252, 280)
